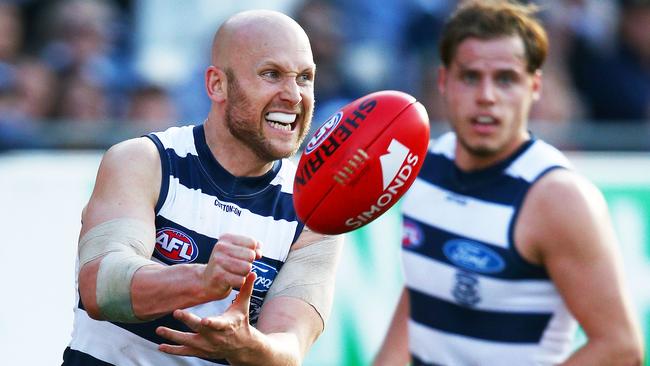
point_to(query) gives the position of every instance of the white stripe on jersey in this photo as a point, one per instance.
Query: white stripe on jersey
(112, 344)
(444, 145)
(284, 178)
(213, 308)
(437, 279)
(181, 139)
(433, 346)
(434, 206)
(186, 207)
(535, 161)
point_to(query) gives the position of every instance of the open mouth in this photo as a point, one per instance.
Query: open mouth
(282, 121)
(484, 120)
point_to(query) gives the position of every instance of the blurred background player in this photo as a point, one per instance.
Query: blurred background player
(217, 235)
(506, 250)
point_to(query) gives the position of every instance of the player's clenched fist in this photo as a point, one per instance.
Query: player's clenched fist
(230, 261)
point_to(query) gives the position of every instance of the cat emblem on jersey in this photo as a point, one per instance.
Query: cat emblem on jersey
(466, 289)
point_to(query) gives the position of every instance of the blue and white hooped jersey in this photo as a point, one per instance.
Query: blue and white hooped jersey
(473, 299)
(199, 201)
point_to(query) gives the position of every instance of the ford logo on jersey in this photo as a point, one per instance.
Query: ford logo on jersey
(176, 246)
(473, 256)
(265, 276)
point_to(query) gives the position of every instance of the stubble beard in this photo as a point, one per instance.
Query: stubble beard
(244, 127)
(478, 151)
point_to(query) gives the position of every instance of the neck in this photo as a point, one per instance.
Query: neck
(469, 161)
(231, 154)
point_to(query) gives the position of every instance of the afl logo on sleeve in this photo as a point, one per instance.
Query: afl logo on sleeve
(175, 246)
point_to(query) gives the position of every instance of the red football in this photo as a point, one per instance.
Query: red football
(360, 162)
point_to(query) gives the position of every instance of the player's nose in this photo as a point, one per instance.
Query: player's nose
(291, 91)
(486, 93)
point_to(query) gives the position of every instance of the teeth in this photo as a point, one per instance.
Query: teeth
(280, 126)
(485, 119)
(281, 117)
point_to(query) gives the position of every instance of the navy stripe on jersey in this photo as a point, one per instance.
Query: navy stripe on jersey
(164, 186)
(299, 229)
(270, 202)
(489, 185)
(205, 245)
(228, 182)
(203, 242)
(434, 239)
(415, 361)
(147, 331)
(72, 357)
(487, 325)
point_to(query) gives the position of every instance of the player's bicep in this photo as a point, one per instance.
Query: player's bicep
(581, 255)
(126, 190)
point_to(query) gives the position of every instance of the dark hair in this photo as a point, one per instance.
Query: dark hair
(484, 19)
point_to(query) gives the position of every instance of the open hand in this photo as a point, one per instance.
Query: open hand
(215, 337)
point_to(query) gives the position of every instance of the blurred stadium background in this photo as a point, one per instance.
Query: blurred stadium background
(79, 75)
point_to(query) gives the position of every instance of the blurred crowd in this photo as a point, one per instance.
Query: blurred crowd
(78, 64)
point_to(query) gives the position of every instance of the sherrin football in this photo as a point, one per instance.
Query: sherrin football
(360, 162)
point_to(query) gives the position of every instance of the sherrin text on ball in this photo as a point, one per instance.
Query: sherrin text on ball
(361, 161)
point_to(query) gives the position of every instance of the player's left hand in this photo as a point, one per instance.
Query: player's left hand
(215, 337)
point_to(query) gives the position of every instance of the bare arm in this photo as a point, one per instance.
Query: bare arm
(290, 322)
(567, 222)
(127, 186)
(286, 329)
(395, 348)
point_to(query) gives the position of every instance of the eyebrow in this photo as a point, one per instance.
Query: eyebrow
(310, 68)
(465, 68)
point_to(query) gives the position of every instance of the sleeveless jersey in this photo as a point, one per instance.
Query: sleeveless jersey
(473, 299)
(199, 201)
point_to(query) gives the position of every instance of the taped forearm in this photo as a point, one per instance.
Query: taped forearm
(309, 274)
(126, 245)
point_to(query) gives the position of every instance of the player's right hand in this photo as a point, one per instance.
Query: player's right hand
(230, 262)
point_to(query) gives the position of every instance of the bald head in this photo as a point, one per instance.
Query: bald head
(261, 83)
(253, 30)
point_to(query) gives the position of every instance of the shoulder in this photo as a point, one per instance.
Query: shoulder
(135, 153)
(563, 191)
(563, 212)
(127, 183)
(133, 163)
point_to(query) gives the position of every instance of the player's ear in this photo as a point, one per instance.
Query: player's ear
(537, 85)
(216, 84)
(442, 79)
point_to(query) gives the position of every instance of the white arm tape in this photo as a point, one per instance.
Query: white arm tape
(126, 245)
(309, 274)
(116, 235)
